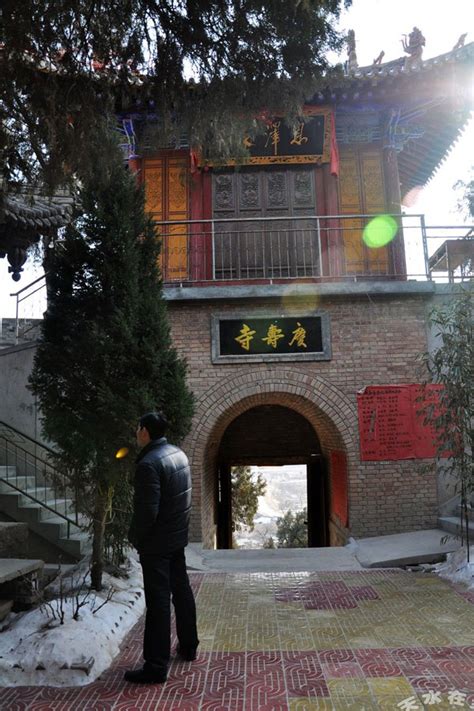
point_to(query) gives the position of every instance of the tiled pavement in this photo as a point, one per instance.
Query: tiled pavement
(365, 640)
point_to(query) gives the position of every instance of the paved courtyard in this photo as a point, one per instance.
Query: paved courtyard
(369, 640)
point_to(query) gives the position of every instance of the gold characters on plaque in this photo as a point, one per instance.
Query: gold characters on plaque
(246, 335)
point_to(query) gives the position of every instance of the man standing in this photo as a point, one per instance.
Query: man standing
(159, 531)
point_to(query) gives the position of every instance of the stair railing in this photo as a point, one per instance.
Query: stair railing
(14, 454)
(19, 299)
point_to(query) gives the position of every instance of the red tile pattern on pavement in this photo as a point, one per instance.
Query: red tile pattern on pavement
(298, 642)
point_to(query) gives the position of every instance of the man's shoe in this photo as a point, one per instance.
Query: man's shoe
(145, 676)
(189, 655)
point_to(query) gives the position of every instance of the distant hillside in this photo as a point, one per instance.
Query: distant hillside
(286, 489)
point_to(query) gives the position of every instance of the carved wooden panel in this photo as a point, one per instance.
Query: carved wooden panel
(153, 173)
(374, 196)
(177, 208)
(303, 189)
(349, 189)
(250, 192)
(350, 203)
(277, 190)
(224, 192)
(177, 189)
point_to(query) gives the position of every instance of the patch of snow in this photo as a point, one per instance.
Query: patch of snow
(37, 651)
(266, 510)
(352, 546)
(456, 568)
(264, 519)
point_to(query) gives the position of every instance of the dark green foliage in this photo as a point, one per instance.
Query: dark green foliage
(116, 529)
(244, 55)
(246, 488)
(292, 530)
(269, 543)
(106, 356)
(451, 364)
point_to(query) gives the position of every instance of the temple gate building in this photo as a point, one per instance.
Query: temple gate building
(298, 291)
(302, 338)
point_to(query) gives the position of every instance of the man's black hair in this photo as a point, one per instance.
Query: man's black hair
(156, 424)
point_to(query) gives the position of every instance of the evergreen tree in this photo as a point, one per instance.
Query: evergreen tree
(246, 488)
(67, 66)
(292, 530)
(106, 356)
(451, 364)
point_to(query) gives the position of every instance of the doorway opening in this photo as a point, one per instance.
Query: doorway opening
(269, 507)
(279, 445)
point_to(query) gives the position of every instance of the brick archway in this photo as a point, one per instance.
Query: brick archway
(331, 414)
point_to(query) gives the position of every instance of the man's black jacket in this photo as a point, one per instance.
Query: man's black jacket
(162, 499)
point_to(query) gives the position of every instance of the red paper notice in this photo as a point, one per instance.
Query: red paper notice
(391, 422)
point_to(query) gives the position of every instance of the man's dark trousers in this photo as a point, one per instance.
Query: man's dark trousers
(164, 575)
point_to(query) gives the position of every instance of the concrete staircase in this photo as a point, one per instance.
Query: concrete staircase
(450, 521)
(47, 515)
(28, 331)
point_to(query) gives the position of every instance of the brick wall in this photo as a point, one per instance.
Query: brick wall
(375, 340)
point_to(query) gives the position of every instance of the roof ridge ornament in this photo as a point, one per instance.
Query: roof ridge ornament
(460, 42)
(414, 47)
(352, 64)
(378, 60)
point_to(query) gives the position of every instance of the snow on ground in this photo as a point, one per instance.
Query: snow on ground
(36, 650)
(457, 569)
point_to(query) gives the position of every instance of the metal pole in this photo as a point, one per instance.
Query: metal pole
(213, 241)
(425, 248)
(17, 323)
(320, 254)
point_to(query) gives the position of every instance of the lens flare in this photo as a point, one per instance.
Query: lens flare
(122, 452)
(379, 231)
(311, 301)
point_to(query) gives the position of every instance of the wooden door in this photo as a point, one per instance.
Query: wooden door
(318, 516)
(270, 248)
(361, 191)
(224, 506)
(167, 199)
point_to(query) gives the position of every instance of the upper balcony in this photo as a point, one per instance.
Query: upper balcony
(314, 249)
(200, 256)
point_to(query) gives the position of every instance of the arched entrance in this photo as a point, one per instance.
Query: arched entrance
(332, 416)
(273, 435)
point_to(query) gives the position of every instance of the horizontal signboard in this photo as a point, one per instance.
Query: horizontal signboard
(305, 140)
(243, 337)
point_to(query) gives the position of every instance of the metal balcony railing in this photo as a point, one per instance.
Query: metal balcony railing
(311, 247)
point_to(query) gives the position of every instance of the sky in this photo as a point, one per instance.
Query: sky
(378, 25)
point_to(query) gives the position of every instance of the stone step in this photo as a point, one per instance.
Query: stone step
(25, 484)
(40, 493)
(61, 525)
(6, 471)
(44, 523)
(5, 608)
(62, 506)
(452, 524)
(78, 544)
(458, 509)
(12, 483)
